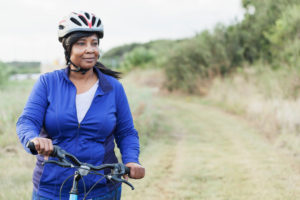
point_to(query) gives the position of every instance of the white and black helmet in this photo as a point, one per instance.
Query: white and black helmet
(80, 21)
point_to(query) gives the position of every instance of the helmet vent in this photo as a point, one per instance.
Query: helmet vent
(83, 20)
(75, 21)
(61, 27)
(93, 20)
(99, 22)
(87, 15)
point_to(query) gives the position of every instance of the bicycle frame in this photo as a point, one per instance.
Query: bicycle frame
(73, 197)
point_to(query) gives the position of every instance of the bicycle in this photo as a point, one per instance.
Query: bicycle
(68, 160)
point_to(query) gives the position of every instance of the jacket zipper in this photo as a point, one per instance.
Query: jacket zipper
(79, 124)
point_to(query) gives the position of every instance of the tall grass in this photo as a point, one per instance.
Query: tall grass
(15, 181)
(147, 117)
(13, 97)
(266, 97)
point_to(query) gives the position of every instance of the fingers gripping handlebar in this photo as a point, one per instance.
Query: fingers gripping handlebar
(57, 153)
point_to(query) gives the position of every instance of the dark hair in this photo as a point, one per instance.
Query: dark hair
(71, 39)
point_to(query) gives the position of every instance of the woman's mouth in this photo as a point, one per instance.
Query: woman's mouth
(89, 59)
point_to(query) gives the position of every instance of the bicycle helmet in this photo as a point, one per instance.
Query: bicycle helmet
(79, 21)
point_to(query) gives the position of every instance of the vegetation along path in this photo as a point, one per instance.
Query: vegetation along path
(200, 152)
(213, 155)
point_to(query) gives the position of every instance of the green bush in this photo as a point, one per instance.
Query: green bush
(115, 56)
(138, 57)
(123, 55)
(203, 56)
(18, 67)
(284, 37)
(269, 33)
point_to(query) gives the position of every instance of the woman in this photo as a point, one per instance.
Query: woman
(82, 109)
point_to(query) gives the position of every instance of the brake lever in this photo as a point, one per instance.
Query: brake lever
(72, 158)
(58, 152)
(114, 178)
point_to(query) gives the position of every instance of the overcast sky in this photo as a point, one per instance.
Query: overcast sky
(29, 27)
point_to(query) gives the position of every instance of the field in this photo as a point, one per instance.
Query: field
(191, 149)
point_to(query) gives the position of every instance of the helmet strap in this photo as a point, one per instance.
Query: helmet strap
(78, 69)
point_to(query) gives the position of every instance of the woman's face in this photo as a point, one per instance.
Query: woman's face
(85, 52)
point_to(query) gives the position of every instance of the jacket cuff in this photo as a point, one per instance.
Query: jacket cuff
(125, 161)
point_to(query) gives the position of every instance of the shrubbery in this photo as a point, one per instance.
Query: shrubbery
(284, 37)
(138, 57)
(127, 57)
(269, 33)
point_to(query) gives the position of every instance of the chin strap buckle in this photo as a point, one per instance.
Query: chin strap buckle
(78, 69)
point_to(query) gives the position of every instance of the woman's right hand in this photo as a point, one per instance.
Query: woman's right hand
(43, 146)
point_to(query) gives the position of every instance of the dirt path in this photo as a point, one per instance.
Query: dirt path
(213, 155)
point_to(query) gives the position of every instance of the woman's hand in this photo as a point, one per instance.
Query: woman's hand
(136, 171)
(43, 146)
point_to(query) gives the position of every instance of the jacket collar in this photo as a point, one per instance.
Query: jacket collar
(104, 85)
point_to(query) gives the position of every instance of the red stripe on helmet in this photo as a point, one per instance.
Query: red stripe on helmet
(62, 21)
(89, 23)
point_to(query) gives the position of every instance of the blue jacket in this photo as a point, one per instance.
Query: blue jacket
(51, 112)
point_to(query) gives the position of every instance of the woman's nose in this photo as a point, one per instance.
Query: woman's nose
(90, 49)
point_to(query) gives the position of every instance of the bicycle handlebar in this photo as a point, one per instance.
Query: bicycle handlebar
(64, 157)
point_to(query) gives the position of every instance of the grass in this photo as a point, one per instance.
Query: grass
(209, 154)
(191, 149)
(266, 97)
(12, 156)
(147, 116)
(13, 97)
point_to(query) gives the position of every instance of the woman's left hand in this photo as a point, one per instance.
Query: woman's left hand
(136, 171)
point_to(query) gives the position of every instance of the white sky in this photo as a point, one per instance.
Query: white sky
(29, 27)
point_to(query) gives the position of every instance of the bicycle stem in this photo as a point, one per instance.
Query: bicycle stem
(74, 190)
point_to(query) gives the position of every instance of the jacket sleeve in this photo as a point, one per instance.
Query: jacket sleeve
(126, 135)
(31, 120)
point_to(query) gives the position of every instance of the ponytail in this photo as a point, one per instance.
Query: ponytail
(108, 71)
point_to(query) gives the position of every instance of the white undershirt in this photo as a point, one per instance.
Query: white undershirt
(84, 101)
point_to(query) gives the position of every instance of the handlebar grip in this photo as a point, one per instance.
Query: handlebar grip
(127, 170)
(31, 146)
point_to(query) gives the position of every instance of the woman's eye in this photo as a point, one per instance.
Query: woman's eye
(95, 44)
(81, 43)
